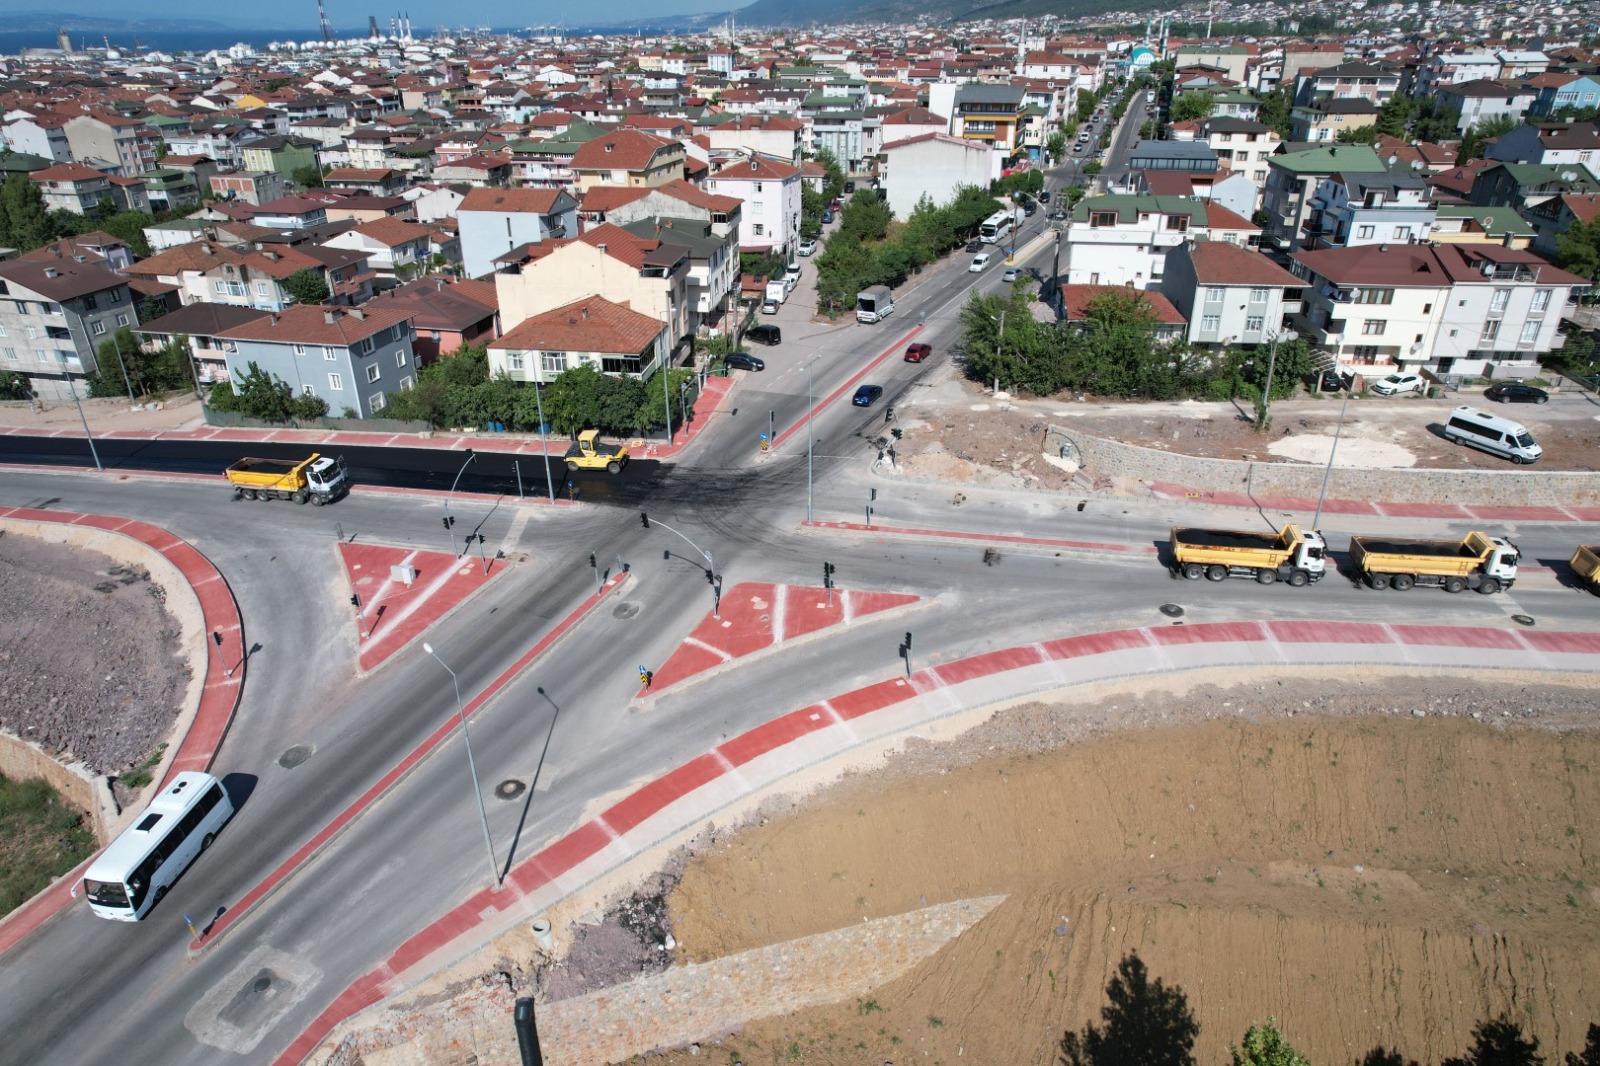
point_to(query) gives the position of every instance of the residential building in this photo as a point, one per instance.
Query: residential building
(291, 213)
(627, 157)
(126, 145)
(72, 187)
(1349, 209)
(1526, 185)
(777, 136)
(1547, 143)
(1504, 311)
(43, 135)
(496, 221)
(1241, 146)
(1228, 294)
(1226, 188)
(769, 191)
(54, 312)
(590, 331)
(348, 356)
(1455, 224)
(253, 187)
(932, 165)
(1321, 122)
(992, 114)
(395, 248)
(707, 224)
(445, 314)
(1347, 80)
(1555, 93)
(1073, 303)
(1124, 240)
(1455, 68)
(1292, 179)
(1374, 308)
(199, 326)
(281, 155)
(1550, 218)
(1484, 101)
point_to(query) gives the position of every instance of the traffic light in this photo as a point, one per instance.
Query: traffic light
(827, 575)
(216, 635)
(448, 520)
(592, 564)
(711, 579)
(874, 495)
(355, 601)
(644, 520)
(908, 642)
(898, 432)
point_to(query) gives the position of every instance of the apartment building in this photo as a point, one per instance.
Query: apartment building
(348, 356)
(590, 331)
(54, 313)
(1350, 209)
(1228, 294)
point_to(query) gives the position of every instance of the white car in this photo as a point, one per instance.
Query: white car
(808, 247)
(1395, 384)
(770, 307)
(1012, 274)
(979, 261)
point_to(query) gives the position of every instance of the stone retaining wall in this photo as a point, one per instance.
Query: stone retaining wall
(1515, 486)
(21, 759)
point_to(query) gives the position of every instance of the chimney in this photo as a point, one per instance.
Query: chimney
(274, 318)
(585, 313)
(330, 316)
(207, 249)
(51, 272)
(356, 313)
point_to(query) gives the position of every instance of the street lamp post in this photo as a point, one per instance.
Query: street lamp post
(472, 764)
(81, 417)
(450, 522)
(811, 437)
(711, 566)
(1328, 473)
(544, 443)
(117, 347)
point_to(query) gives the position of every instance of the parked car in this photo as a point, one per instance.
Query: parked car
(742, 361)
(827, 215)
(1516, 392)
(765, 333)
(849, 186)
(1395, 384)
(974, 246)
(791, 274)
(807, 247)
(867, 395)
(1012, 274)
(980, 261)
(916, 353)
(769, 307)
(1330, 380)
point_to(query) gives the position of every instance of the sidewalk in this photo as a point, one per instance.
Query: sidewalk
(1163, 490)
(674, 805)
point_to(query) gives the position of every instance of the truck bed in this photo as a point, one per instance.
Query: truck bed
(1443, 549)
(1226, 538)
(265, 467)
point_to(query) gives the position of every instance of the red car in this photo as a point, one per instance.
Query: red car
(918, 352)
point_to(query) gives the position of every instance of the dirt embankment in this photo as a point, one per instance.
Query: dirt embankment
(1378, 879)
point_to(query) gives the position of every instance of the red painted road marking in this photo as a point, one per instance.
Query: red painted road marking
(853, 379)
(398, 614)
(998, 538)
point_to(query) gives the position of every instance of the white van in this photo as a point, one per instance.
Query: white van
(1492, 434)
(979, 261)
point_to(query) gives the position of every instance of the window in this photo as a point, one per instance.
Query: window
(1541, 299)
(307, 390)
(11, 354)
(1530, 332)
(365, 346)
(116, 296)
(372, 372)
(2, 331)
(1214, 295)
(1491, 330)
(377, 403)
(1374, 296)
(553, 362)
(1180, 223)
(89, 302)
(760, 230)
(1372, 327)
(1102, 218)
(22, 306)
(405, 383)
(1364, 233)
(514, 360)
(1253, 324)
(1402, 233)
(1210, 323)
(33, 333)
(299, 349)
(122, 320)
(97, 328)
(400, 358)
(1258, 296)
(335, 382)
(1500, 299)
(261, 289)
(329, 354)
(45, 356)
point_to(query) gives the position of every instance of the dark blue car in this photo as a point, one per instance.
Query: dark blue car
(827, 215)
(867, 395)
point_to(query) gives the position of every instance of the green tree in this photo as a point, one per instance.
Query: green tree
(1364, 135)
(1274, 112)
(1578, 249)
(308, 177)
(572, 400)
(1394, 116)
(306, 286)
(1436, 122)
(14, 386)
(24, 222)
(1055, 145)
(1499, 1042)
(1193, 105)
(264, 396)
(652, 407)
(1476, 140)
(1145, 1024)
(1264, 1045)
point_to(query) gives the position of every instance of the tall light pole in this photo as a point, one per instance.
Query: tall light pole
(1328, 473)
(117, 346)
(449, 522)
(79, 403)
(666, 396)
(472, 764)
(811, 407)
(544, 443)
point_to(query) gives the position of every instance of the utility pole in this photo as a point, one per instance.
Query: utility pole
(1266, 393)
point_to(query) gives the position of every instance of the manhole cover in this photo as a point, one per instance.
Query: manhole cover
(1171, 610)
(510, 788)
(1523, 619)
(625, 610)
(294, 756)
(262, 983)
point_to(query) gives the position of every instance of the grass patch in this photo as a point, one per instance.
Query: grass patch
(40, 839)
(140, 775)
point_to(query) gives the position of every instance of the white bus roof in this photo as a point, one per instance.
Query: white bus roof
(133, 843)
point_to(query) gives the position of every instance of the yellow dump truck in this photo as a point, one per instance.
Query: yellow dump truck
(1292, 555)
(1476, 561)
(587, 453)
(1586, 565)
(317, 480)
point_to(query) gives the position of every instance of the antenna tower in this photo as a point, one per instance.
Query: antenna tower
(322, 17)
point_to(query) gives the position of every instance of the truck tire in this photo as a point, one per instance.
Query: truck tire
(266, 494)
(1454, 584)
(1194, 571)
(1216, 572)
(1489, 587)
(1378, 581)
(318, 500)
(248, 494)
(1402, 582)
(301, 497)
(1266, 577)
(613, 468)
(1299, 579)
(572, 464)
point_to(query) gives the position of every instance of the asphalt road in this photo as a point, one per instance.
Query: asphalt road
(309, 737)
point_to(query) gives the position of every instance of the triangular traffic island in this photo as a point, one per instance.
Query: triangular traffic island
(756, 616)
(403, 591)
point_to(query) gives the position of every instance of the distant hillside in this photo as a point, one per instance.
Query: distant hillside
(826, 12)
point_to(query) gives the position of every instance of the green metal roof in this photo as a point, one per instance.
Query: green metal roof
(1352, 157)
(1129, 206)
(1495, 220)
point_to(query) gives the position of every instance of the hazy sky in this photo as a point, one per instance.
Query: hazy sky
(426, 15)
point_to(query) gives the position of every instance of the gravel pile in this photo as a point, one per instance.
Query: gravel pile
(88, 655)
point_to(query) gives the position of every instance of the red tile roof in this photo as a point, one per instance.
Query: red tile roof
(1221, 263)
(316, 324)
(592, 324)
(622, 149)
(511, 201)
(1076, 299)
